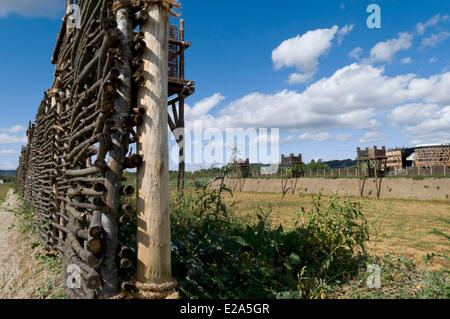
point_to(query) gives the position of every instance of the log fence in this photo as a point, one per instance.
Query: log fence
(85, 130)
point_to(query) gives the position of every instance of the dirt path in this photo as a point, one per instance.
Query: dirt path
(22, 276)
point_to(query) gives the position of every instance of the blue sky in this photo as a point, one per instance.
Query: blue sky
(311, 68)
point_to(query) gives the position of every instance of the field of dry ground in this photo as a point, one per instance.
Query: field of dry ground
(397, 226)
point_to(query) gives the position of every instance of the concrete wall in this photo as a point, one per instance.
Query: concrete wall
(400, 188)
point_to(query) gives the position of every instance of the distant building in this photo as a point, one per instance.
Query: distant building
(291, 160)
(1, 181)
(399, 159)
(432, 155)
(243, 167)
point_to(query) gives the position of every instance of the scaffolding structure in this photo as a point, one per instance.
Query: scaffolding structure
(432, 156)
(394, 160)
(398, 159)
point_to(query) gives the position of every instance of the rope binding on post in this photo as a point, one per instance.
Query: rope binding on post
(166, 4)
(117, 5)
(138, 290)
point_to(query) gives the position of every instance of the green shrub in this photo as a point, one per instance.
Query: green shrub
(219, 255)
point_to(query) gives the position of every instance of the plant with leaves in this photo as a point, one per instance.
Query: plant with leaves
(435, 231)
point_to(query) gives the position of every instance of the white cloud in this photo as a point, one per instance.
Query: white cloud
(407, 60)
(435, 39)
(32, 8)
(303, 52)
(371, 137)
(287, 139)
(431, 90)
(295, 78)
(203, 107)
(386, 50)
(421, 27)
(422, 123)
(9, 139)
(355, 96)
(411, 114)
(434, 129)
(360, 91)
(9, 152)
(433, 59)
(356, 53)
(14, 129)
(343, 137)
(315, 137)
(8, 165)
(343, 32)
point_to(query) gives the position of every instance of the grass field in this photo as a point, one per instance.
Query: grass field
(190, 182)
(3, 191)
(400, 227)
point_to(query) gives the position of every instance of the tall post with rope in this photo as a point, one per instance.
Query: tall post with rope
(153, 230)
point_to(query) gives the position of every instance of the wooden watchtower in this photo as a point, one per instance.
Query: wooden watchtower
(242, 167)
(179, 90)
(292, 162)
(376, 161)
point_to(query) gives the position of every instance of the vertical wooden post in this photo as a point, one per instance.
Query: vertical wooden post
(153, 233)
(60, 205)
(359, 177)
(54, 218)
(181, 142)
(375, 172)
(117, 154)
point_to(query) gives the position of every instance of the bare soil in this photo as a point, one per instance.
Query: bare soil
(398, 188)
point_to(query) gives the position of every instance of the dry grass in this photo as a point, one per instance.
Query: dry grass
(397, 226)
(22, 275)
(3, 191)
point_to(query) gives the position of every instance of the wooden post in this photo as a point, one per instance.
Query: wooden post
(181, 142)
(359, 177)
(117, 154)
(375, 172)
(153, 233)
(52, 93)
